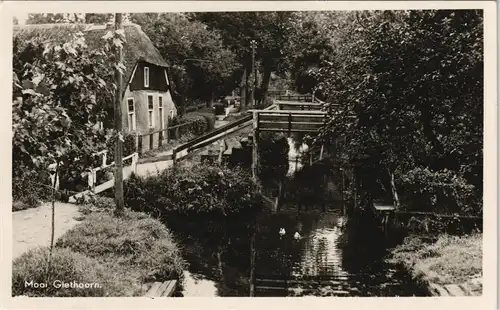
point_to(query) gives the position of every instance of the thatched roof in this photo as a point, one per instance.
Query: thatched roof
(138, 46)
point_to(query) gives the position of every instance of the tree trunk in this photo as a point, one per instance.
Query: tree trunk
(243, 90)
(395, 196)
(279, 198)
(247, 92)
(119, 201)
(220, 266)
(264, 87)
(52, 232)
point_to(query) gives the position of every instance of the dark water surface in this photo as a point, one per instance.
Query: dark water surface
(329, 258)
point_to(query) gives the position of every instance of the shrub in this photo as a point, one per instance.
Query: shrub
(66, 266)
(208, 116)
(27, 191)
(134, 244)
(198, 189)
(438, 191)
(198, 124)
(129, 146)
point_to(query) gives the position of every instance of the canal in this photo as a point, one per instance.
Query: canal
(299, 252)
(307, 248)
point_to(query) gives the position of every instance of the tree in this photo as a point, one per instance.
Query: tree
(310, 48)
(201, 66)
(41, 18)
(406, 107)
(59, 94)
(271, 30)
(96, 18)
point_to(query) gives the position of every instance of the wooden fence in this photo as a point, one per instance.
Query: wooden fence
(296, 98)
(155, 139)
(92, 176)
(214, 135)
(210, 137)
(304, 106)
(289, 121)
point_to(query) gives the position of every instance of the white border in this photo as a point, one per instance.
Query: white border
(487, 301)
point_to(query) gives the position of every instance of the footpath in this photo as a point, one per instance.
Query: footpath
(31, 228)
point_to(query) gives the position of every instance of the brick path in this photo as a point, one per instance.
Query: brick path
(31, 228)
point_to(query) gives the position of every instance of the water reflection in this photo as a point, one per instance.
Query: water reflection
(330, 259)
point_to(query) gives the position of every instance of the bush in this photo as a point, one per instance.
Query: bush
(198, 124)
(134, 245)
(128, 146)
(27, 191)
(209, 117)
(438, 191)
(198, 189)
(66, 266)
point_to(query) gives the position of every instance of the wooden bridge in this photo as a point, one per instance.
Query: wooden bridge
(303, 117)
(281, 116)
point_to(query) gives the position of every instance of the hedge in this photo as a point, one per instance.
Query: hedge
(198, 190)
(121, 254)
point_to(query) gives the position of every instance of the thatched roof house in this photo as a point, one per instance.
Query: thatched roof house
(147, 103)
(138, 46)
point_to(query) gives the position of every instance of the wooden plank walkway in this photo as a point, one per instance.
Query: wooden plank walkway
(161, 289)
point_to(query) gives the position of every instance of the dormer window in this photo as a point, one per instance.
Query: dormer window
(146, 76)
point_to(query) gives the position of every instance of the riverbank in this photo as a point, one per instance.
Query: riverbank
(447, 265)
(104, 255)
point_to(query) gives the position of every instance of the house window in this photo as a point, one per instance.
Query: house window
(171, 114)
(160, 110)
(151, 118)
(146, 76)
(131, 114)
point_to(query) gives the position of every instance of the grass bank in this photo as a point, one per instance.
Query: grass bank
(117, 256)
(443, 261)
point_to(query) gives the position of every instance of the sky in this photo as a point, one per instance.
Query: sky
(21, 17)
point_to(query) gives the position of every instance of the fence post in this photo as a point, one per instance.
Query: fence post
(174, 155)
(321, 152)
(104, 158)
(137, 142)
(90, 180)
(135, 158)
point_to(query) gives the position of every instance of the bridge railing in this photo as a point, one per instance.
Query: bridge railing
(92, 174)
(212, 136)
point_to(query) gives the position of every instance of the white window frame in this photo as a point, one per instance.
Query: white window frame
(133, 126)
(160, 111)
(146, 76)
(152, 111)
